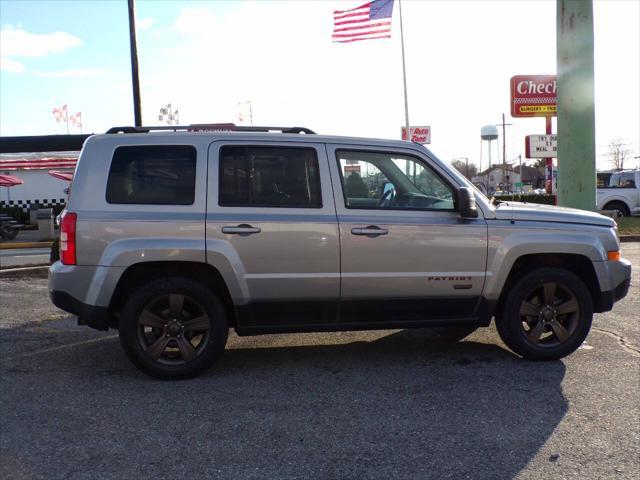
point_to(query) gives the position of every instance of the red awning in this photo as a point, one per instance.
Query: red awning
(67, 176)
(9, 181)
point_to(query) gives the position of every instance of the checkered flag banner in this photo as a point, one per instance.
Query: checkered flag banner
(76, 119)
(60, 113)
(168, 115)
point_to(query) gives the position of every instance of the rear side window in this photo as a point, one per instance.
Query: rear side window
(259, 176)
(159, 174)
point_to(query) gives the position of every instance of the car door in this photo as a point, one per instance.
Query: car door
(406, 253)
(270, 208)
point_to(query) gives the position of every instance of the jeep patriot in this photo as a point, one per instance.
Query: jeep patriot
(173, 235)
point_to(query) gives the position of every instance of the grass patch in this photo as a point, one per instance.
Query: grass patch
(629, 225)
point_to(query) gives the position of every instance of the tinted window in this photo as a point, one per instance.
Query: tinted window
(391, 181)
(269, 177)
(164, 175)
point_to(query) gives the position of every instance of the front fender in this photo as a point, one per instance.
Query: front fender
(506, 247)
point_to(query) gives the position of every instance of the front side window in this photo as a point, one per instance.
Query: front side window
(390, 181)
(158, 174)
(261, 176)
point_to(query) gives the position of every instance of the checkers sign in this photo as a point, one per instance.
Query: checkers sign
(534, 96)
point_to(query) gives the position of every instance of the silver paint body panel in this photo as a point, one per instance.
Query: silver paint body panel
(310, 254)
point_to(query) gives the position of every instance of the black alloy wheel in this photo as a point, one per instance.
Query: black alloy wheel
(547, 314)
(173, 328)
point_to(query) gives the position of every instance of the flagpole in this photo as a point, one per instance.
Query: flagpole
(404, 74)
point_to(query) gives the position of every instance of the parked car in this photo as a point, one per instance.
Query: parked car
(620, 193)
(173, 237)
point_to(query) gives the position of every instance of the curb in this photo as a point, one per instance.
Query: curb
(41, 271)
(12, 245)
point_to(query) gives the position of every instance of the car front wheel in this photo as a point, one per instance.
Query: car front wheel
(173, 328)
(547, 314)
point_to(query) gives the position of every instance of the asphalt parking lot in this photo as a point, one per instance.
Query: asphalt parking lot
(384, 404)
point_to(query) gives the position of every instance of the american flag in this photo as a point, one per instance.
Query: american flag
(366, 22)
(60, 113)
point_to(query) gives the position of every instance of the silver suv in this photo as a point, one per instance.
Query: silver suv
(174, 236)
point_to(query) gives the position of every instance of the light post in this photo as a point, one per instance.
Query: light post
(135, 81)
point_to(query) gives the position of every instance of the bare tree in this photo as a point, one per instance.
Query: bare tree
(462, 165)
(618, 152)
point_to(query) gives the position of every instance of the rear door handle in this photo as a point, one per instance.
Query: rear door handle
(242, 229)
(370, 231)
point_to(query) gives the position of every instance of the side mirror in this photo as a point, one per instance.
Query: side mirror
(467, 203)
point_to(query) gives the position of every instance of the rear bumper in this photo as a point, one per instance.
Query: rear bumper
(78, 290)
(90, 315)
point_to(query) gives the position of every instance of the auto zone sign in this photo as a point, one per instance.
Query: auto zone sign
(417, 134)
(534, 96)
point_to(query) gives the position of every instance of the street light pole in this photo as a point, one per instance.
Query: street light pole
(135, 81)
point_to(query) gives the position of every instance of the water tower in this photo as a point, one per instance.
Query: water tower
(488, 133)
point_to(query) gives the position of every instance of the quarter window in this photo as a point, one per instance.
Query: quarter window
(163, 175)
(258, 176)
(389, 181)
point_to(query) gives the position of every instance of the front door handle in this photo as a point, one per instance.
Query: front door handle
(242, 229)
(370, 231)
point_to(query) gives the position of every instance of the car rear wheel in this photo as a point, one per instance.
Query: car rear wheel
(620, 208)
(173, 328)
(547, 314)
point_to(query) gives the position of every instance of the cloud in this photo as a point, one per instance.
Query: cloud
(17, 42)
(84, 72)
(12, 66)
(145, 23)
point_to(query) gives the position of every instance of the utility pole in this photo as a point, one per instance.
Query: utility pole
(135, 81)
(504, 147)
(576, 106)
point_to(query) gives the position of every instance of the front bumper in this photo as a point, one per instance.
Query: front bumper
(622, 283)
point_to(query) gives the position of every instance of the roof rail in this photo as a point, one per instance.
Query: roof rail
(211, 127)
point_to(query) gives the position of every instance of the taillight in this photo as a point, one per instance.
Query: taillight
(68, 238)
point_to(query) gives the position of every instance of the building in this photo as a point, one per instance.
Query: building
(40, 189)
(499, 178)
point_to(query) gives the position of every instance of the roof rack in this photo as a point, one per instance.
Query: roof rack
(211, 127)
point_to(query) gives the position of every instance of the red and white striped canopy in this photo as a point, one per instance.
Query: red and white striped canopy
(37, 163)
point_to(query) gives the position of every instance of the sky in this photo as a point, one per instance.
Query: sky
(204, 57)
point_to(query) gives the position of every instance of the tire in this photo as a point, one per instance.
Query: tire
(621, 208)
(547, 314)
(173, 328)
(54, 254)
(7, 232)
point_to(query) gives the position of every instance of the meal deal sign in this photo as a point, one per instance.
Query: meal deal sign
(541, 146)
(534, 96)
(417, 134)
